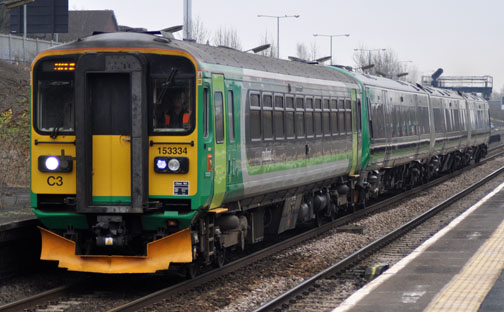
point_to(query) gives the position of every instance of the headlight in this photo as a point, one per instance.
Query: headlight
(161, 164)
(174, 165)
(171, 164)
(55, 163)
(52, 163)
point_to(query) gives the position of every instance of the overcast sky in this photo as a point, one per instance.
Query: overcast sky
(464, 37)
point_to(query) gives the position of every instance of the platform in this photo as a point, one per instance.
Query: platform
(15, 205)
(458, 269)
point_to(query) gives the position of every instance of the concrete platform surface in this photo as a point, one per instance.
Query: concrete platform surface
(454, 270)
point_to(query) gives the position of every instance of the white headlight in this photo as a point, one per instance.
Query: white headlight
(52, 163)
(161, 164)
(174, 165)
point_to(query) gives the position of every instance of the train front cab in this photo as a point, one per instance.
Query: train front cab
(114, 170)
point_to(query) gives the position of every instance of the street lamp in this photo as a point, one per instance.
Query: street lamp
(369, 52)
(278, 27)
(331, 36)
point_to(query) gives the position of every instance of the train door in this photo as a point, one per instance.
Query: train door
(356, 134)
(232, 149)
(220, 160)
(111, 134)
(387, 109)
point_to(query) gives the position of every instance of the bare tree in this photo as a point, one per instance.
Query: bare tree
(4, 19)
(198, 31)
(302, 51)
(386, 63)
(266, 39)
(313, 51)
(227, 37)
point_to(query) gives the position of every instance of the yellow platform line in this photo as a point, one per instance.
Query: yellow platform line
(467, 290)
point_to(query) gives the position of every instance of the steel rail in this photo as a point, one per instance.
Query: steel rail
(41, 298)
(46, 296)
(240, 263)
(282, 301)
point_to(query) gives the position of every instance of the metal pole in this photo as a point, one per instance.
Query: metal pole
(278, 36)
(10, 48)
(24, 21)
(188, 19)
(331, 50)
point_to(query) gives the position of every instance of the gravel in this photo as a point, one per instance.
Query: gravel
(264, 280)
(256, 284)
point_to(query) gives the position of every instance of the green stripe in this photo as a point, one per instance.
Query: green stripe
(295, 164)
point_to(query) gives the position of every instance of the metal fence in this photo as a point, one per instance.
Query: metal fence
(16, 49)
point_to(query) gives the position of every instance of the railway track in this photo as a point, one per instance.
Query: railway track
(159, 295)
(302, 291)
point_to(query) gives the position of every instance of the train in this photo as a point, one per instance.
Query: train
(150, 153)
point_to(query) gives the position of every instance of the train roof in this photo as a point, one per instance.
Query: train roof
(206, 54)
(386, 83)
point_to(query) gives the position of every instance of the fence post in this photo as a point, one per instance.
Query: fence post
(24, 49)
(10, 48)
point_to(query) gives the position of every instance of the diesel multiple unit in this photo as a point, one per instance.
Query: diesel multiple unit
(149, 152)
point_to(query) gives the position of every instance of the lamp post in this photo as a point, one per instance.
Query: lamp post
(369, 52)
(278, 27)
(331, 36)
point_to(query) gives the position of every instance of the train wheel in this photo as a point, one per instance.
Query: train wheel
(319, 219)
(220, 257)
(192, 270)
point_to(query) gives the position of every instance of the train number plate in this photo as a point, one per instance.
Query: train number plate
(181, 188)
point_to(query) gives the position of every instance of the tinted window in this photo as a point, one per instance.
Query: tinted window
(205, 112)
(299, 102)
(230, 112)
(255, 124)
(289, 102)
(309, 123)
(219, 117)
(254, 100)
(267, 101)
(268, 124)
(325, 122)
(299, 124)
(317, 122)
(108, 93)
(279, 125)
(56, 105)
(308, 103)
(289, 124)
(334, 122)
(278, 101)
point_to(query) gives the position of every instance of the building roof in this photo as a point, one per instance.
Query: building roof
(83, 23)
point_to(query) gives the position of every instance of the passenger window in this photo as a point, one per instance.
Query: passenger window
(317, 122)
(255, 124)
(348, 116)
(309, 123)
(308, 102)
(279, 125)
(278, 101)
(267, 101)
(300, 124)
(289, 102)
(254, 100)
(230, 112)
(205, 112)
(299, 102)
(289, 124)
(268, 124)
(219, 118)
